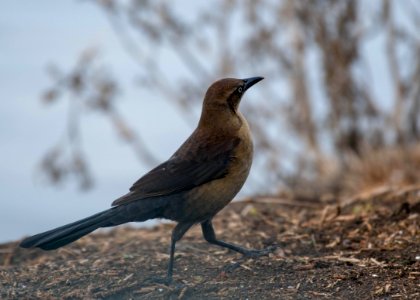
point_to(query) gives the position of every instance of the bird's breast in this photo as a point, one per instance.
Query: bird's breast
(208, 199)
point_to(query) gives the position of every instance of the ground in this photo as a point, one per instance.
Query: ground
(365, 247)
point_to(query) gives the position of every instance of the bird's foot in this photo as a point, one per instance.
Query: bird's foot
(259, 253)
(159, 280)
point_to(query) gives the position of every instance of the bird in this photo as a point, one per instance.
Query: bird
(191, 187)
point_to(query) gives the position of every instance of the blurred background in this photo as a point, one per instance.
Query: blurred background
(94, 93)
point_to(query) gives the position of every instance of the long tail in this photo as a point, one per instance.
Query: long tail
(66, 234)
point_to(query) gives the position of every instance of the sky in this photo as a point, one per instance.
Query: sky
(34, 34)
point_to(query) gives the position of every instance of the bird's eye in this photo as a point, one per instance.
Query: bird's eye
(240, 89)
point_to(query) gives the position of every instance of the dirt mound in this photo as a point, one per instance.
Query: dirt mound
(363, 248)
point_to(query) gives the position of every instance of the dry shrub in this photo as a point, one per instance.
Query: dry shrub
(315, 118)
(396, 167)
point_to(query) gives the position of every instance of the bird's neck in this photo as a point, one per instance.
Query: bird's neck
(220, 119)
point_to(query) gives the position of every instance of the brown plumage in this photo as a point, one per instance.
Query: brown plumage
(192, 186)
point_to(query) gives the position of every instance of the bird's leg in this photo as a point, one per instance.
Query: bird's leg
(178, 232)
(210, 236)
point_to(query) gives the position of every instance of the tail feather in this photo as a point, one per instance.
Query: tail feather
(66, 234)
(67, 239)
(138, 211)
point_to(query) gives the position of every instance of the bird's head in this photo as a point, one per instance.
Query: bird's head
(225, 94)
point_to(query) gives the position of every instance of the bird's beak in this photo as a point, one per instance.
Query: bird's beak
(251, 81)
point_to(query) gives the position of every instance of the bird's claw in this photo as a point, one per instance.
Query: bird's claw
(259, 253)
(159, 280)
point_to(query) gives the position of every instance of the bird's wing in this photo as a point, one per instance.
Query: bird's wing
(192, 165)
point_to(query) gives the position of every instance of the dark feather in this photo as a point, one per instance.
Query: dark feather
(192, 165)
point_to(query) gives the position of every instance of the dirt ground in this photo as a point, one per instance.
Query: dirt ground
(366, 247)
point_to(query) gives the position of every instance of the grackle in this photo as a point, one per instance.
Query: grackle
(191, 187)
